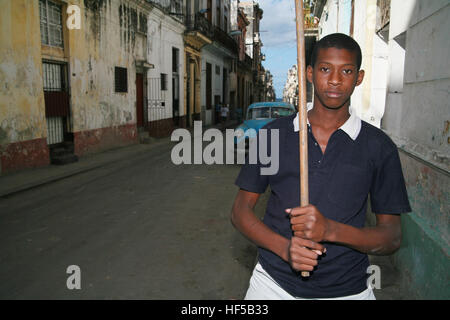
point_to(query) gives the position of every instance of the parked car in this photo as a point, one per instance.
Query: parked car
(258, 115)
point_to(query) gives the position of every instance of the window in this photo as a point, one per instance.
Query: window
(175, 55)
(53, 76)
(51, 23)
(120, 79)
(217, 69)
(163, 81)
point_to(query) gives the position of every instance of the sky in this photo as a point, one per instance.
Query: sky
(279, 41)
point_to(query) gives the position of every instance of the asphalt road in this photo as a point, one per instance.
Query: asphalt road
(141, 228)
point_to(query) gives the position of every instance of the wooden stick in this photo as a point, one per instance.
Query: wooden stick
(302, 110)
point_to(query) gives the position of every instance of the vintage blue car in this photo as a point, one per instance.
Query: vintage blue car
(258, 115)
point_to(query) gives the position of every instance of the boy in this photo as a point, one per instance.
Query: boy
(348, 160)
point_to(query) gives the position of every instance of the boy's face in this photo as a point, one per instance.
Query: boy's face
(334, 76)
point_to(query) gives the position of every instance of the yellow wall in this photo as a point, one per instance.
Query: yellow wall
(22, 108)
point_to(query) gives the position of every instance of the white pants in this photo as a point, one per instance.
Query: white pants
(264, 287)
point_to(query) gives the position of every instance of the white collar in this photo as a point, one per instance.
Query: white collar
(351, 127)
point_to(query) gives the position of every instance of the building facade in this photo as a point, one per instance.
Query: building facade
(83, 76)
(83, 96)
(165, 81)
(217, 59)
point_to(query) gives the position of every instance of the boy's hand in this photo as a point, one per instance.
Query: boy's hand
(308, 223)
(303, 254)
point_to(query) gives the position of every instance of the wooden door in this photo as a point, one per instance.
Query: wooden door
(139, 100)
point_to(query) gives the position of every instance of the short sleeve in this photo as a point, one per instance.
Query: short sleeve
(388, 190)
(250, 177)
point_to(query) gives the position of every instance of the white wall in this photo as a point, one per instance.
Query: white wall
(401, 11)
(210, 56)
(368, 100)
(424, 117)
(165, 33)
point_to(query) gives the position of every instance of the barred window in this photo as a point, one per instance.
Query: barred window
(120, 79)
(51, 23)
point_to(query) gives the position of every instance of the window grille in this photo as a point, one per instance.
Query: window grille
(51, 23)
(53, 75)
(120, 79)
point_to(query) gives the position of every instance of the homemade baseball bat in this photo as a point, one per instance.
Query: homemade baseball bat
(302, 110)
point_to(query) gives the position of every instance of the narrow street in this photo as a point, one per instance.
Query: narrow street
(140, 228)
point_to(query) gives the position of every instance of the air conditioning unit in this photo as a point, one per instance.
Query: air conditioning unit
(256, 37)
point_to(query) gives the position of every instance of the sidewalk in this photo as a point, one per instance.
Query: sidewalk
(30, 178)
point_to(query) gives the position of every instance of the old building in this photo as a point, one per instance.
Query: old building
(69, 88)
(165, 89)
(290, 90)
(198, 34)
(242, 67)
(83, 76)
(23, 125)
(217, 59)
(253, 45)
(269, 90)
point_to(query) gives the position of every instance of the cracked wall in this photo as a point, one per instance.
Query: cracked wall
(112, 37)
(22, 108)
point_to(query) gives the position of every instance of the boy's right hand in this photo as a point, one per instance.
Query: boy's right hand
(303, 254)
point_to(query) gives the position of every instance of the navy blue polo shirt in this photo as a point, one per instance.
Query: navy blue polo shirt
(360, 160)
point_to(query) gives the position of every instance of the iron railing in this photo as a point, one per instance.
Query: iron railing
(198, 22)
(223, 38)
(174, 8)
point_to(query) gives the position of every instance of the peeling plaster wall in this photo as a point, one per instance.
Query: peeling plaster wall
(22, 97)
(113, 35)
(418, 119)
(417, 111)
(22, 108)
(107, 41)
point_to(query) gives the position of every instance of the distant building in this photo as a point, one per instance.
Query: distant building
(290, 90)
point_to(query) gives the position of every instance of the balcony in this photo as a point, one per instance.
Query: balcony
(225, 40)
(174, 8)
(198, 23)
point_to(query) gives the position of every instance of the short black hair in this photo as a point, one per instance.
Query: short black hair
(339, 41)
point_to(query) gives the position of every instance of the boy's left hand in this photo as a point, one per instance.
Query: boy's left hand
(308, 223)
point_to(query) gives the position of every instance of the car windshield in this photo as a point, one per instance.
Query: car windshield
(278, 112)
(258, 113)
(268, 112)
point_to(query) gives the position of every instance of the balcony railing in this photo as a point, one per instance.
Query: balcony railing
(198, 22)
(223, 38)
(172, 7)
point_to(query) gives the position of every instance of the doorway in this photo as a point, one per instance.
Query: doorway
(139, 100)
